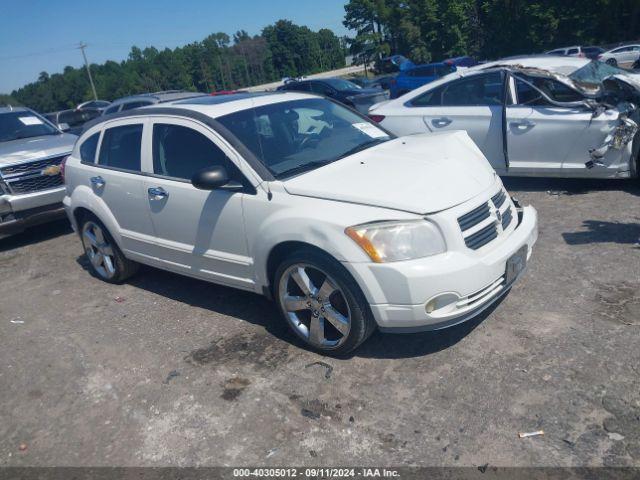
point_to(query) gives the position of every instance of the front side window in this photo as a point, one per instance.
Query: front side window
(296, 136)
(112, 109)
(23, 124)
(180, 152)
(555, 90)
(89, 147)
(120, 147)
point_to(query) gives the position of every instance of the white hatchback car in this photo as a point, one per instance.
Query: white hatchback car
(301, 199)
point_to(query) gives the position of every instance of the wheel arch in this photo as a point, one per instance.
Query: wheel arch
(279, 252)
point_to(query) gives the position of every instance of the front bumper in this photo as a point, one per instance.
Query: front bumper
(18, 212)
(398, 293)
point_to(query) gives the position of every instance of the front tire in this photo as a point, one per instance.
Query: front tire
(106, 260)
(321, 303)
(612, 61)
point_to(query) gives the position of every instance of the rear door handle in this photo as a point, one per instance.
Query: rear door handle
(441, 122)
(157, 193)
(97, 182)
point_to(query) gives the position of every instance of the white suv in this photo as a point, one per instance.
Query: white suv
(297, 197)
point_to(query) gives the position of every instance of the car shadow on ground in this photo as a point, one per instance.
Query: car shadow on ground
(258, 310)
(571, 186)
(37, 234)
(598, 231)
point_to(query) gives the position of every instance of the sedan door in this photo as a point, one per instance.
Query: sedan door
(198, 232)
(546, 139)
(474, 104)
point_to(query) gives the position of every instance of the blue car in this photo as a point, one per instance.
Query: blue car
(419, 75)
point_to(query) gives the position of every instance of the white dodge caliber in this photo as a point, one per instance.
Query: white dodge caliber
(299, 198)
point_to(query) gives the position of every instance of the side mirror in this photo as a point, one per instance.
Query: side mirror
(210, 178)
(64, 126)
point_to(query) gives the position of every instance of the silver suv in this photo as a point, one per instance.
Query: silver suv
(31, 155)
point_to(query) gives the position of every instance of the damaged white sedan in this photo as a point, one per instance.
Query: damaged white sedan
(532, 116)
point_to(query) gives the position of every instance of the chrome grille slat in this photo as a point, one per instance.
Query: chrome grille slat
(474, 217)
(507, 216)
(482, 237)
(35, 184)
(29, 166)
(499, 198)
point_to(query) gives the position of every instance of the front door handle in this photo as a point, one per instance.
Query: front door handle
(523, 124)
(157, 193)
(441, 122)
(97, 182)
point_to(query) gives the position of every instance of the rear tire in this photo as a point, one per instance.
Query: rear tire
(321, 303)
(106, 260)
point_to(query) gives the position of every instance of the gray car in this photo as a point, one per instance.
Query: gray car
(146, 99)
(31, 153)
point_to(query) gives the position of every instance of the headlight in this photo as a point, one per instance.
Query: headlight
(398, 240)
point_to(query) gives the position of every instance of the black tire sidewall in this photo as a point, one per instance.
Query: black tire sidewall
(362, 322)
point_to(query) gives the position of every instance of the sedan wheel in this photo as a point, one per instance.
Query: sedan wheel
(612, 61)
(99, 252)
(315, 306)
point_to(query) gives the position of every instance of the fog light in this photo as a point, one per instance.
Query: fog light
(442, 303)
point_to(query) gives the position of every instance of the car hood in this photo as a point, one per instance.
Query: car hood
(33, 148)
(421, 174)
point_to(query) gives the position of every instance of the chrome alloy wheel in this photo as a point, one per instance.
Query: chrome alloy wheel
(98, 250)
(315, 306)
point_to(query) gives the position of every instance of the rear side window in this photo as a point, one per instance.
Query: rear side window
(121, 147)
(180, 152)
(572, 51)
(88, 148)
(112, 109)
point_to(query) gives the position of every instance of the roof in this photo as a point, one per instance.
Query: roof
(563, 65)
(166, 96)
(14, 109)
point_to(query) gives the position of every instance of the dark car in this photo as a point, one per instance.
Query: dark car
(343, 91)
(592, 52)
(393, 64)
(145, 99)
(418, 76)
(72, 121)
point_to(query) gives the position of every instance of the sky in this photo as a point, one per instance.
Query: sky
(39, 35)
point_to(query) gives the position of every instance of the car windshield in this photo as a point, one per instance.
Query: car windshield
(23, 124)
(301, 135)
(340, 84)
(594, 72)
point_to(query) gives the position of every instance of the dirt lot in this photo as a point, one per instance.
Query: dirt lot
(166, 370)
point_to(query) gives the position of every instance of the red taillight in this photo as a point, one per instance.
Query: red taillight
(62, 165)
(377, 118)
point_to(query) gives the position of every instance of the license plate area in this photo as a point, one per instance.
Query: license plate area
(516, 264)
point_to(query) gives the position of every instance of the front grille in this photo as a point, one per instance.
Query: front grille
(487, 230)
(29, 166)
(35, 184)
(27, 177)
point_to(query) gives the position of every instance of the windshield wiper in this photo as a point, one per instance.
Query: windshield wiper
(362, 146)
(305, 167)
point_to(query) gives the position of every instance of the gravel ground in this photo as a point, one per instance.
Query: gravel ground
(166, 370)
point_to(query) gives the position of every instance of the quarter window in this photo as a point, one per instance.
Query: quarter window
(88, 148)
(121, 147)
(180, 152)
(132, 105)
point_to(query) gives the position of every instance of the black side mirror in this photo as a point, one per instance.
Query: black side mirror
(210, 178)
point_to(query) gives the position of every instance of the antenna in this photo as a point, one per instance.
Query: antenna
(82, 46)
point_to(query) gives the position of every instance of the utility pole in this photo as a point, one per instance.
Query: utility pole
(82, 46)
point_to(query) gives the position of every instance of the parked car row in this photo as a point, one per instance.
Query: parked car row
(624, 54)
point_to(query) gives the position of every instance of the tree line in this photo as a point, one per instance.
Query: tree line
(432, 30)
(218, 62)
